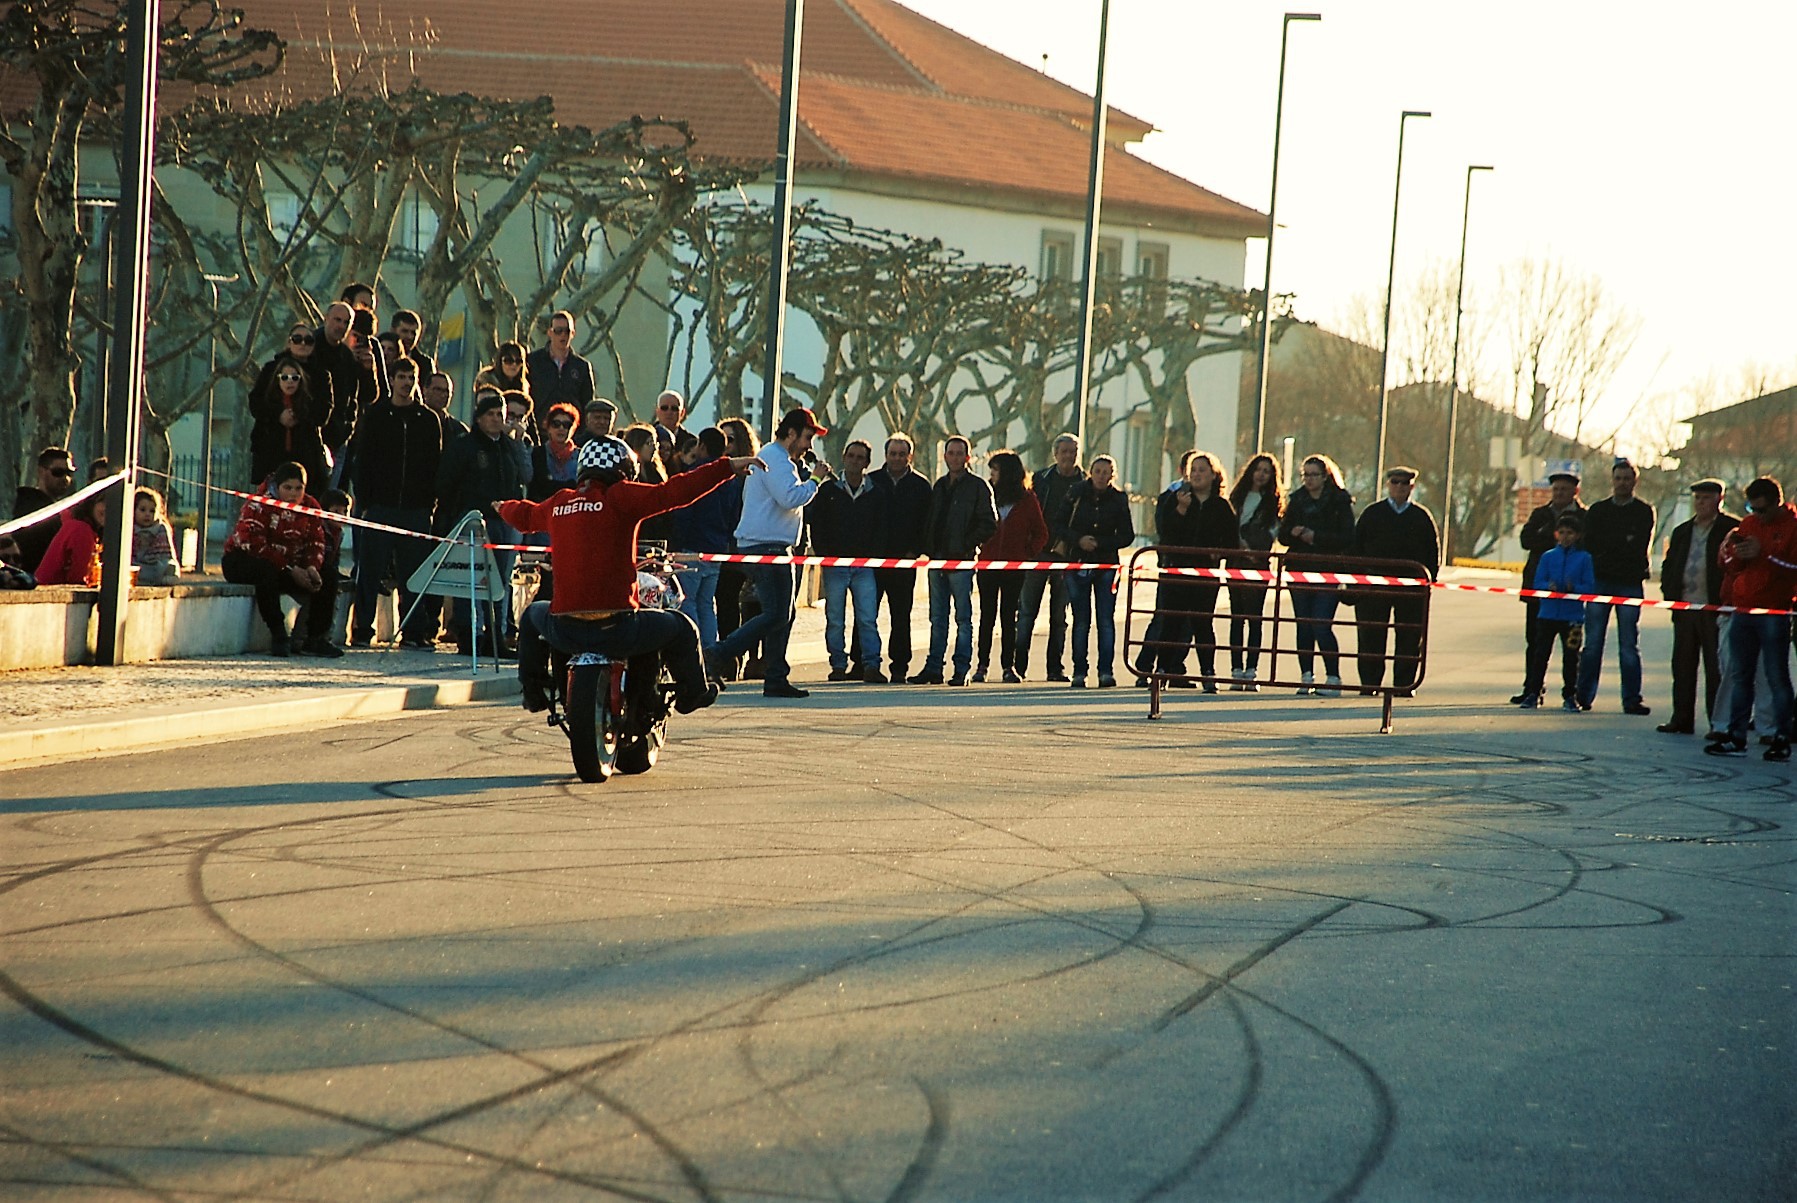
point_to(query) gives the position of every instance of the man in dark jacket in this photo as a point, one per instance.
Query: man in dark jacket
(1396, 528)
(1692, 572)
(397, 447)
(557, 373)
(1053, 486)
(55, 480)
(847, 519)
(907, 524)
(962, 516)
(1618, 530)
(1537, 538)
(478, 471)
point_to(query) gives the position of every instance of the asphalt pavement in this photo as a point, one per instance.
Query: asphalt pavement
(994, 943)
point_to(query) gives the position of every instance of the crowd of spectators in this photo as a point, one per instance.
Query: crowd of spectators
(347, 420)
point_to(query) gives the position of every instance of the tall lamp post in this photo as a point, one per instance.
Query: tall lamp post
(773, 369)
(1447, 482)
(1082, 369)
(1390, 276)
(1266, 290)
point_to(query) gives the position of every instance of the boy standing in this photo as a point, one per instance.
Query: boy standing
(1564, 568)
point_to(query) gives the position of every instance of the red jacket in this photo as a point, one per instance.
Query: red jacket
(283, 537)
(1021, 534)
(70, 554)
(592, 533)
(1760, 582)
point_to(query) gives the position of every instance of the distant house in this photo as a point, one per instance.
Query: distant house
(904, 125)
(1757, 437)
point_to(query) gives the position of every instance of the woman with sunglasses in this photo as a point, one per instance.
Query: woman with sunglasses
(1319, 518)
(287, 422)
(507, 372)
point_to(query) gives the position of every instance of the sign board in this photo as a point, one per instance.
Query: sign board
(1551, 466)
(446, 571)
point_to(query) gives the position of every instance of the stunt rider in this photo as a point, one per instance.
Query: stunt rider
(592, 529)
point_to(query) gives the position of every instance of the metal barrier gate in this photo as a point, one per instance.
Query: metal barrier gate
(1390, 622)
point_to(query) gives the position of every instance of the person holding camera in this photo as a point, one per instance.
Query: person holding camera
(773, 516)
(1195, 514)
(1759, 564)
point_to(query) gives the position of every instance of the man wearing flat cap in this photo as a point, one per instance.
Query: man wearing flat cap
(1396, 528)
(1537, 537)
(596, 421)
(1692, 572)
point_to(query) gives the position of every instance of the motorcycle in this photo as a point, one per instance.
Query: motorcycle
(615, 712)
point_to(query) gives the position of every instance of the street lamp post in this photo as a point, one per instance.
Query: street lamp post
(1266, 291)
(773, 370)
(1082, 369)
(1390, 276)
(1447, 481)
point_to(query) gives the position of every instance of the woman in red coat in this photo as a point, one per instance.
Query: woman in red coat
(277, 550)
(70, 556)
(1022, 533)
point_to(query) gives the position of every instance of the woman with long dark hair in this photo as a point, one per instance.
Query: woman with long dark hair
(508, 371)
(280, 550)
(1197, 515)
(1259, 502)
(287, 422)
(1020, 536)
(1319, 517)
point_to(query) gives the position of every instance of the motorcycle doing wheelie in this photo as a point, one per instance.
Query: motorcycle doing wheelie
(615, 711)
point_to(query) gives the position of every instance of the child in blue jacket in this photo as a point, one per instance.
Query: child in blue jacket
(1563, 569)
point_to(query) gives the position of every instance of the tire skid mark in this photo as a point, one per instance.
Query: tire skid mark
(70, 1151)
(1246, 1098)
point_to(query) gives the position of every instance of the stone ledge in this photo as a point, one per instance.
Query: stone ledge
(82, 595)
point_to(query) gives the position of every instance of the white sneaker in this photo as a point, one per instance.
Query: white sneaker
(1332, 688)
(1252, 685)
(1309, 686)
(1236, 677)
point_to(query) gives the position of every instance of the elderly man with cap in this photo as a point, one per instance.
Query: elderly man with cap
(773, 516)
(1537, 539)
(1396, 528)
(1618, 530)
(596, 420)
(1692, 572)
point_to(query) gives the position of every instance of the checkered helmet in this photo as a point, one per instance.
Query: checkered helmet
(609, 452)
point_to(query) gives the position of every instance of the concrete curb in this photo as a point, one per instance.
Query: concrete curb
(234, 719)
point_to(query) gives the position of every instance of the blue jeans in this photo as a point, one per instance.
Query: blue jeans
(1089, 593)
(946, 585)
(839, 585)
(1029, 604)
(1760, 647)
(1315, 610)
(621, 637)
(377, 553)
(1628, 643)
(774, 585)
(700, 584)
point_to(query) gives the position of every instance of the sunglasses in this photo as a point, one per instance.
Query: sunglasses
(290, 376)
(301, 340)
(560, 330)
(64, 473)
(514, 358)
(561, 424)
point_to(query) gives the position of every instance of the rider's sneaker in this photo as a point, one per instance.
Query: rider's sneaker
(533, 694)
(699, 699)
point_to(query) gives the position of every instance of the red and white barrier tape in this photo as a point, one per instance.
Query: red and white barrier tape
(60, 504)
(1256, 575)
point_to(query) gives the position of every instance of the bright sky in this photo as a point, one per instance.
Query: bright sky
(1639, 143)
